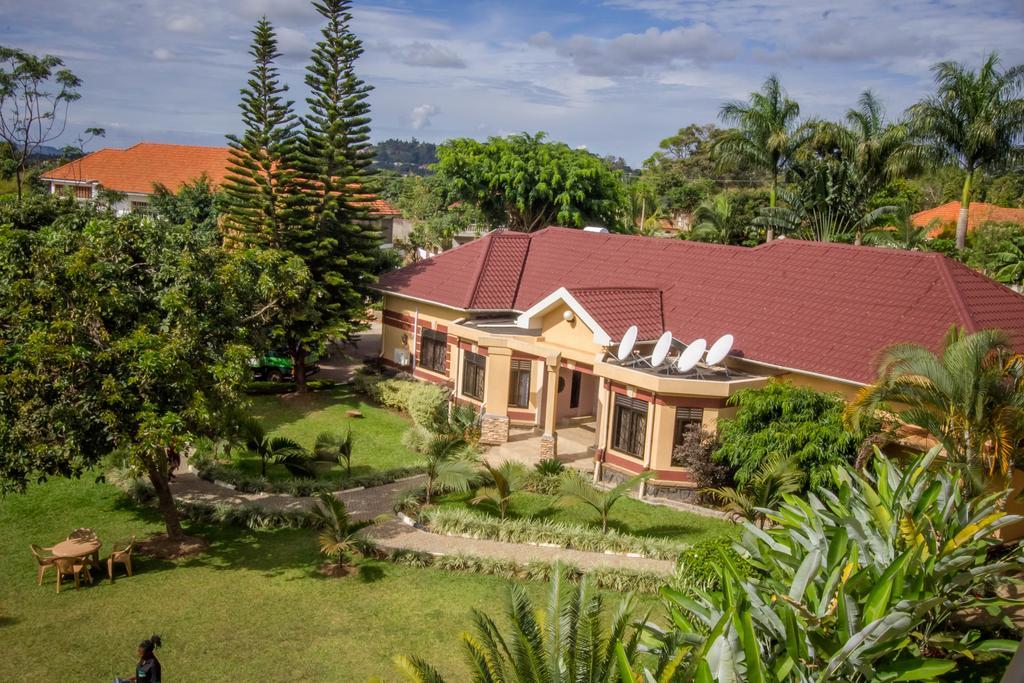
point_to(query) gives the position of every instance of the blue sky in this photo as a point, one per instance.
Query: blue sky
(614, 75)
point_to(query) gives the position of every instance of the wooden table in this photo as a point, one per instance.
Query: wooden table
(79, 548)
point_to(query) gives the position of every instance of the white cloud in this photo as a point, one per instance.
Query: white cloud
(420, 116)
(421, 53)
(163, 54)
(292, 43)
(185, 24)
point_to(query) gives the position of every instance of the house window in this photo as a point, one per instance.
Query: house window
(687, 418)
(629, 428)
(140, 208)
(433, 347)
(473, 370)
(83, 192)
(519, 384)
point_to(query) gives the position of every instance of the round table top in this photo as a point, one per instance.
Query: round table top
(77, 547)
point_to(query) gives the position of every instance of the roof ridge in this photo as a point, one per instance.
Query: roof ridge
(481, 266)
(943, 265)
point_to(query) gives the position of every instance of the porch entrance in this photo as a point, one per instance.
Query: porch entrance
(577, 397)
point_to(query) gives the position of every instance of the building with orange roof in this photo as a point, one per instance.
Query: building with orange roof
(944, 217)
(137, 171)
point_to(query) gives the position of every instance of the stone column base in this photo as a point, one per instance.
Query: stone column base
(549, 446)
(493, 429)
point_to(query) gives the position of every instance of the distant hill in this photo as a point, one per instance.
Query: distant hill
(408, 157)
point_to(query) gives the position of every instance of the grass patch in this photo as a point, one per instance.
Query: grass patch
(252, 592)
(377, 436)
(629, 516)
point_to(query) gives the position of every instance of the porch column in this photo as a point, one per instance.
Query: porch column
(494, 424)
(549, 441)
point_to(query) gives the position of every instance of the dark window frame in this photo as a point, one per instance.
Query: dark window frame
(629, 426)
(518, 388)
(433, 350)
(474, 375)
(685, 416)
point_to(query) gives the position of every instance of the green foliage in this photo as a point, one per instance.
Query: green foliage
(416, 439)
(248, 516)
(856, 585)
(549, 467)
(340, 536)
(462, 522)
(578, 491)
(775, 478)
(798, 423)
(525, 183)
(450, 465)
(302, 486)
(970, 398)
(997, 249)
(427, 405)
(698, 565)
(194, 204)
(276, 450)
(571, 639)
(717, 222)
(335, 447)
(507, 478)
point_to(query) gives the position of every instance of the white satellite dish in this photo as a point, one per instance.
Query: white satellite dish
(719, 350)
(691, 356)
(627, 343)
(661, 349)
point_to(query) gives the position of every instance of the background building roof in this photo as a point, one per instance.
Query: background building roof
(817, 307)
(946, 215)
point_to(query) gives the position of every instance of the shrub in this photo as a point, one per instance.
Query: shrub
(393, 393)
(549, 467)
(365, 382)
(545, 484)
(249, 516)
(696, 453)
(697, 567)
(136, 487)
(461, 522)
(427, 405)
(415, 439)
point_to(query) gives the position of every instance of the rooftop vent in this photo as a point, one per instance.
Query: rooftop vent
(595, 228)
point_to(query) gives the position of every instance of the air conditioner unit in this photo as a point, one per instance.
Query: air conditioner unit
(402, 357)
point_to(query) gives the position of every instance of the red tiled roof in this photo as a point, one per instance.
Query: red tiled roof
(616, 308)
(147, 164)
(946, 216)
(822, 308)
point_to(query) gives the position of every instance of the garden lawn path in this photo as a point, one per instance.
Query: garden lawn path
(393, 534)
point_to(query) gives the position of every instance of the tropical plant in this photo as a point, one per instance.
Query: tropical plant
(277, 450)
(696, 452)
(339, 536)
(903, 235)
(573, 638)
(970, 397)
(463, 423)
(856, 585)
(508, 478)
(775, 478)
(578, 491)
(974, 121)
(766, 136)
(714, 221)
(449, 466)
(1010, 265)
(335, 447)
(797, 422)
(549, 467)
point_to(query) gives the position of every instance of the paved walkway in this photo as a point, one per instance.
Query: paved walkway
(393, 534)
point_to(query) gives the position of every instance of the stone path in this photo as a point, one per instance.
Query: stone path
(393, 534)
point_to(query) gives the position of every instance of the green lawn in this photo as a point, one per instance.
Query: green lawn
(377, 435)
(252, 608)
(628, 516)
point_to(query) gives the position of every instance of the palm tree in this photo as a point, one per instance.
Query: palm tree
(974, 121)
(339, 536)
(508, 478)
(828, 207)
(903, 235)
(448, 466)
(714, 221)
(571, 638)
(775, 477)
(875, 146)
(970, 397)
(766, 134)
(335, 447)
(578, 491)
(275, 450)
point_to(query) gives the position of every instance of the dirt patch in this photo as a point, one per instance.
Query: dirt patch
(161, 547)
(336, 571)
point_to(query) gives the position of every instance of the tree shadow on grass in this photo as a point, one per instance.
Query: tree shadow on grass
(6, 621)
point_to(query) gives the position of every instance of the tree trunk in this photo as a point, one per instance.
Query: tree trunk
(965, 205)
(299, 369)
(165, 501)
(17, 181)
(769, 230)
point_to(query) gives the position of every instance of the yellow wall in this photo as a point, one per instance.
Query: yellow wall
(574, 336)
(849, 391)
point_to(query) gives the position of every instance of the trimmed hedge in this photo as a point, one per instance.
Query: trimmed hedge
(302, 487)
(425, 403)
(461, 522)
(610, 578)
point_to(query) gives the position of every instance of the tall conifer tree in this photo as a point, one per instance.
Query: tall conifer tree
(261, 187)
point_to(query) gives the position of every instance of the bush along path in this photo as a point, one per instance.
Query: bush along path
(393, 535)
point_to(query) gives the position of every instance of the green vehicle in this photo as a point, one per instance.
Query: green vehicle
(276, 366)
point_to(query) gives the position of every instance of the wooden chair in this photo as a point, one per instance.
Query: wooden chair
(83, 533)
(121, 552)
(44, 558)
(71, 566)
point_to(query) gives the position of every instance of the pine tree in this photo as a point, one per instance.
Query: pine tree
(335, 239)
(261, 187)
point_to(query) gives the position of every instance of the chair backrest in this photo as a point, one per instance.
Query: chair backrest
(82, 532)
(39, 552)
(124, 547)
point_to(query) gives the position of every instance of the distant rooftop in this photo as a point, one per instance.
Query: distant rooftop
(947, 214)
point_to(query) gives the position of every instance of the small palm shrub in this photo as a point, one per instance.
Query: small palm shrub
(339, 536)
(506, 479)
(578, 491)
(549, 467)
(774, 479)
(275, 450)
(449, 466)
(335, 447)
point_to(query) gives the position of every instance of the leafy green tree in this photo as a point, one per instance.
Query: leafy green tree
(767, 134)
(775, 478)
(35, 94)
(340, 536)
(714, 221)
(857, 585)
(969, 397)
(975, 121)
(576, 490)
(122, 335)
(335, 447)
(799, 423)
(508, 478)
(903, 235)
(334, 238)
(261, 188)
(995, 248)
(572, 638)
(194, 203)
(448, 466)
(525, 183)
